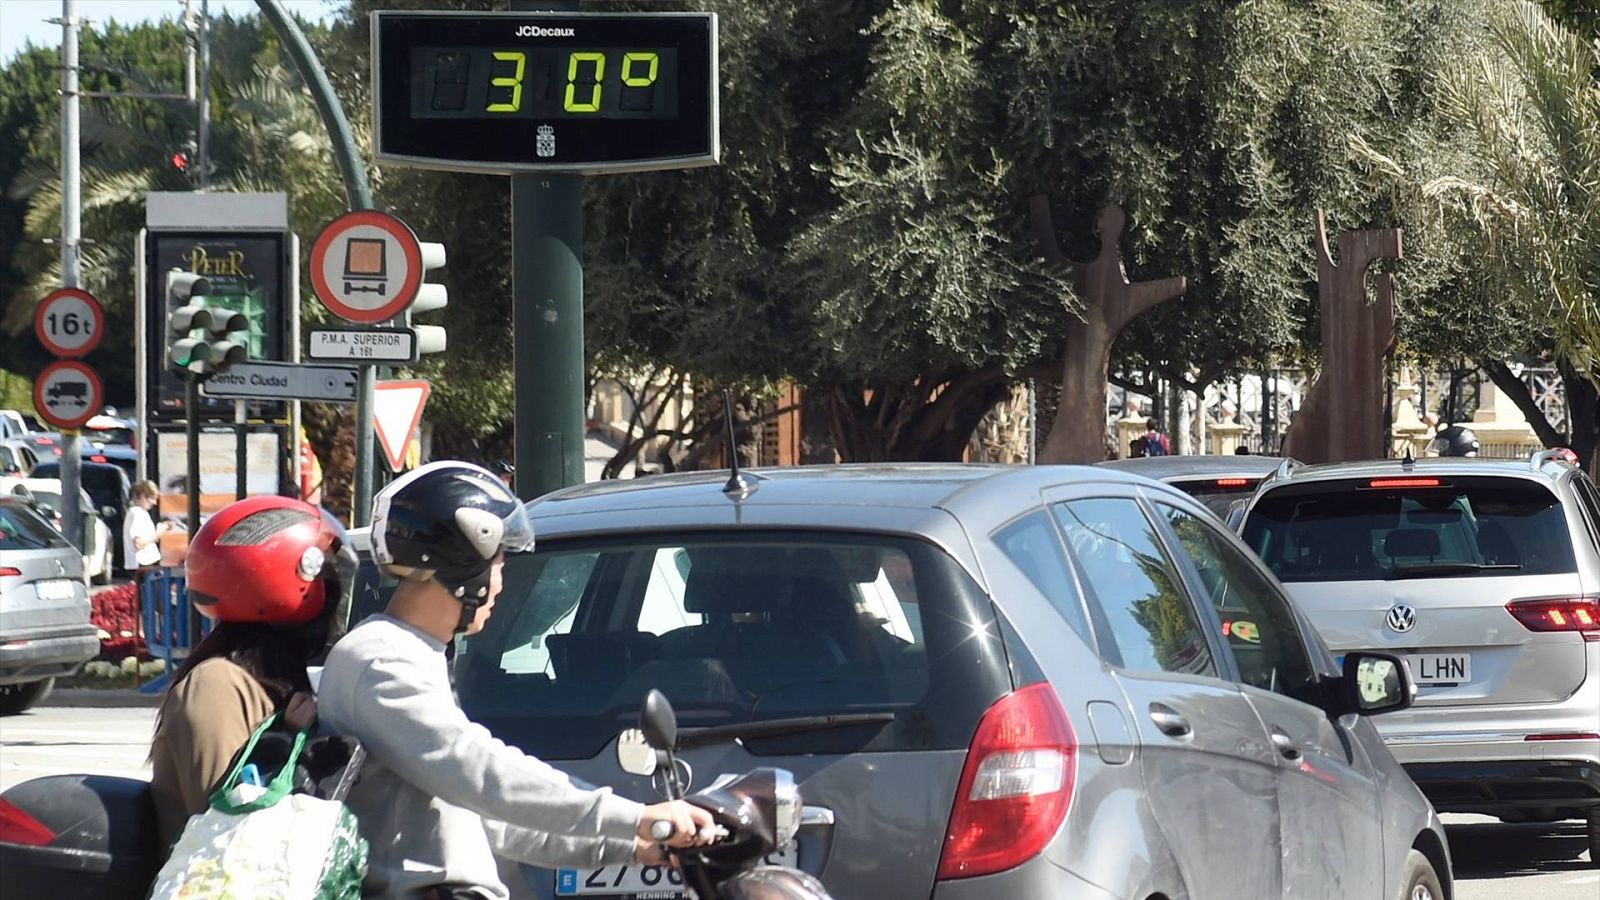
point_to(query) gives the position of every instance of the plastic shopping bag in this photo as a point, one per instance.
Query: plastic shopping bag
(266, 842)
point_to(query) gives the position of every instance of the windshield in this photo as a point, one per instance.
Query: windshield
(106, 485)
(1456, 527)
(21, 529)
(735, 630)
(122, 436)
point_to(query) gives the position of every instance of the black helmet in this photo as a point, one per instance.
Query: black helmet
(1457, 440)
(447, 521)
(503, 467)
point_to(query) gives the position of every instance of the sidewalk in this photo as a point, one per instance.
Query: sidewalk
(596, 453)
(111, 698)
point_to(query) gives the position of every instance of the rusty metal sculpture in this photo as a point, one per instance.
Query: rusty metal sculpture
(1110, 302)
(1342, 417)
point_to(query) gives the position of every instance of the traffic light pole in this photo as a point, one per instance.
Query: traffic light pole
(547, 317)
(191, 429)
(358, 195)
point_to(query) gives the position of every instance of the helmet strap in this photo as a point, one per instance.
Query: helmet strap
(472, 591)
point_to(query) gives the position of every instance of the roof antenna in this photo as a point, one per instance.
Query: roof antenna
(1410, 458)
(738, 486)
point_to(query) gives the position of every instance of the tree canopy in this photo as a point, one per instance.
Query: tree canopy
(867, 232)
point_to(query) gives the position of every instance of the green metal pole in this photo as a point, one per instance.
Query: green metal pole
(547, 314)
(358, 195)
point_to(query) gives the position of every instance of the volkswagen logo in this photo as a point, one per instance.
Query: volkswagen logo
(1401, 618)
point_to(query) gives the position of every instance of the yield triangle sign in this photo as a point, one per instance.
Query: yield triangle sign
(396, 411)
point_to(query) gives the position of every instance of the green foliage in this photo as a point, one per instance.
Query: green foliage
(265, 136)
(1518, 190)
(867, 230)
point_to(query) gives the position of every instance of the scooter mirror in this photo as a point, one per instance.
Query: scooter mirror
(658, 722)
(634, 753)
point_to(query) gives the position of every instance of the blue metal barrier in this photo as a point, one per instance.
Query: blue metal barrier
(164, 615)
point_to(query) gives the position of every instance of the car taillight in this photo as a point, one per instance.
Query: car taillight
(17, 827)
(1233, 482)
(1015, 787)
(7, 571)
(1380, 483)
(1581, 615)
(1564, 736)
(97, 458)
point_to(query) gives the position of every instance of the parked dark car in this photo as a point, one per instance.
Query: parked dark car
(44, 608)
(108, 487)
(1218, 481)
(1022, 682)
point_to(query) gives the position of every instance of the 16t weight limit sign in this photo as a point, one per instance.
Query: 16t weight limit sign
(69, 322)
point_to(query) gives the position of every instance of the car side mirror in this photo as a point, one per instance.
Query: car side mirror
(1374, 683)
(634, 754)
(658, 722)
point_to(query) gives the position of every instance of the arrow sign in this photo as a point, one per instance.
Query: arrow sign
(283, 381)
(396, 412)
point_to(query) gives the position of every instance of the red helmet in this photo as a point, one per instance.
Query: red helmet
(263, 559)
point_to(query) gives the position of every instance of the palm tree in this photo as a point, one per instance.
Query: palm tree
(1532, 114)
(1514, 182)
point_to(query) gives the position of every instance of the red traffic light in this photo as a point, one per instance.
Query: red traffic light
(180, 161)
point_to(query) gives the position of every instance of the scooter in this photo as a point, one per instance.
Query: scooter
(756, 813)
(94, 836)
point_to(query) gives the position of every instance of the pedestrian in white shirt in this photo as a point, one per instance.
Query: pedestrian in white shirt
(141, 547)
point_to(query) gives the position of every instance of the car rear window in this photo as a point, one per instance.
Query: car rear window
(21, 529)
(1375, 529)
(776, 626)
(1217, 493)
(103, 482)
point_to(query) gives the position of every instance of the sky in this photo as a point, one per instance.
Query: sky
(22, 21)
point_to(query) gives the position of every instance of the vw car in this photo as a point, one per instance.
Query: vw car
(988, 681)
(44, 608)
(1483, 575)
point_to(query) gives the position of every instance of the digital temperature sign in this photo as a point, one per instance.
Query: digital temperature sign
(559, 92)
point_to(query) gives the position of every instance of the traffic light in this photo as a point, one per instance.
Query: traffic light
(200, 338)
(430, 338)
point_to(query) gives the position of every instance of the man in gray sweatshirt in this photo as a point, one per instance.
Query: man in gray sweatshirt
(440, 797)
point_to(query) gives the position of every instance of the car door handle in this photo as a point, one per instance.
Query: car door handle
(1170, 721)
(1284, 744)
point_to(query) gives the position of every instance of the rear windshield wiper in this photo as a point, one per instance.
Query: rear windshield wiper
(1425, 570)
(721, 734)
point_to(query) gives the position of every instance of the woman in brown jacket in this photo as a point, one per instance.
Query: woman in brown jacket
(268, 572)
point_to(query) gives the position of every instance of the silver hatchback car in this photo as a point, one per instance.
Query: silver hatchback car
(44, 608)
(1046, 682)
(1483, 574)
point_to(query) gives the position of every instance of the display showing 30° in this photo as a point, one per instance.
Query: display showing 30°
(546, 82)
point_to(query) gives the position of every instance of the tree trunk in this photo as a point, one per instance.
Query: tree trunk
(929, 420)
(1583, 416)
(1110, 302)
(817, 445)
